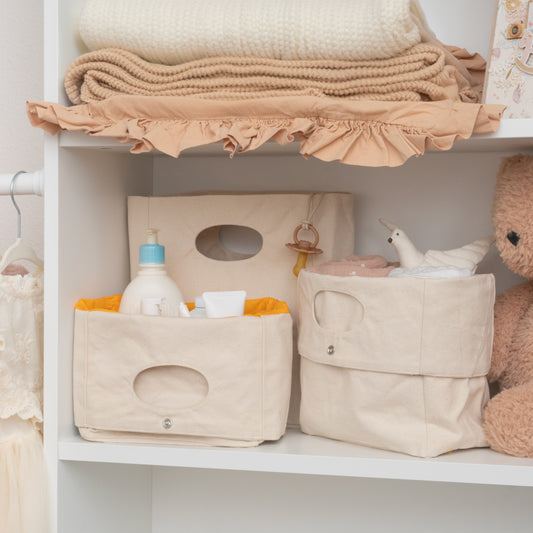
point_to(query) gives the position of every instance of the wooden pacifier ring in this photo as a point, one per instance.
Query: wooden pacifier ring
(315, 233)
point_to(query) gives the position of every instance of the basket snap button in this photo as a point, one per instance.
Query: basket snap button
(167, 423)
(331, 349)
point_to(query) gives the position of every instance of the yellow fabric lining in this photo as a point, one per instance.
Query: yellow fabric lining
(109, 304)
(256, 307)
(265, 306)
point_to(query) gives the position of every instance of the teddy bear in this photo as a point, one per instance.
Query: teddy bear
(508, 418)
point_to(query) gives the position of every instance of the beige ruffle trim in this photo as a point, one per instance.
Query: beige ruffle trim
(366, 133)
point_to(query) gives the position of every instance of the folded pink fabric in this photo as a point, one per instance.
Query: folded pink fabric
(367, 266)
(366, 133)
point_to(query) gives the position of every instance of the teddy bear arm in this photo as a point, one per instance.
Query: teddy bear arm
(508, 423)
(509, 308)
(519, 368)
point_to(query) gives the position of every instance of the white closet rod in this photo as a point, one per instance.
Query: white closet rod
(27, 183)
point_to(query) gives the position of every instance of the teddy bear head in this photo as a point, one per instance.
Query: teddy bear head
(512, 214)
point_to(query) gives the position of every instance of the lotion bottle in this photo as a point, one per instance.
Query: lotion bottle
(152, 282)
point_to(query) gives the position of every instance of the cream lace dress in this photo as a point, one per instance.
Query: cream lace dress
(23, 483)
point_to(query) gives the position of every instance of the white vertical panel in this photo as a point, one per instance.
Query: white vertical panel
(93, 241)
(70, 44)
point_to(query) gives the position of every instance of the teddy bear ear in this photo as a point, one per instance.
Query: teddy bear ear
(514, 179)
(515, 163)
(512, 216)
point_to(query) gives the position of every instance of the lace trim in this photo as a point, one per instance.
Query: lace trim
(24, 403)
(23, 287)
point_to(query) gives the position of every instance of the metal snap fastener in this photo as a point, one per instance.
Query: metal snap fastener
(167, 423)
(331, 349)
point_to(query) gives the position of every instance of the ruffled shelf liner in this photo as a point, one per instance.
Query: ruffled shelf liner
(366, 133)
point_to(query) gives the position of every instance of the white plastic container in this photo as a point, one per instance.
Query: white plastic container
(152, 284)
(223, 304)
(199, 308)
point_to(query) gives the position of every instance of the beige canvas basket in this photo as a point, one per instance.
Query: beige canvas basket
(396, 363)
(199, 381)
(181, 220)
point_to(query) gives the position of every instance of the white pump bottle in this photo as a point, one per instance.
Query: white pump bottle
(152, 291)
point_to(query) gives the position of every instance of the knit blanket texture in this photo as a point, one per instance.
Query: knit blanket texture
(176, 31)
(419, 74)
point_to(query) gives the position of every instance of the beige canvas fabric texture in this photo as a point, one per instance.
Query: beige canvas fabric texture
(420, 73)
(396, 363)
(181, 219)
(223, 382)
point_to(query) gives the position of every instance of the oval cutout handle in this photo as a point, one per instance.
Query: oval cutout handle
(171, 387)
(229, 242)
(337, 311)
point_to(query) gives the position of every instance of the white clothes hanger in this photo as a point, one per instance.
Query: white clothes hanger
(19, 250)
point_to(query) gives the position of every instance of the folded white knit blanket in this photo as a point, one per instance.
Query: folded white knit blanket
(175, 31)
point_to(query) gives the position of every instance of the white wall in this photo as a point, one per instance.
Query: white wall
(21, 146)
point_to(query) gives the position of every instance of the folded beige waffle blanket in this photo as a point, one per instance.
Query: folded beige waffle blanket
(175, 31)
(421, 73)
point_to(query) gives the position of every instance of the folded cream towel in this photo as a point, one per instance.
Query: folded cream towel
(175, 31)
(420, 73)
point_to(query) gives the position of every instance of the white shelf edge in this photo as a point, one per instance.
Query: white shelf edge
(512, 135)
(512, 128)
(297, 453)
(78, 140)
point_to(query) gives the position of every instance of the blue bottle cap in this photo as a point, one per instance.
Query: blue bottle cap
(151, 252)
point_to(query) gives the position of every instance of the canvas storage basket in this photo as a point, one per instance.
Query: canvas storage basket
(146, 379)
(190, 223)
(396, 363)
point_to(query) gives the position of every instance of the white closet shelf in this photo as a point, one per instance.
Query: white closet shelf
(513, 135)
(80, 140)
(297, 453)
